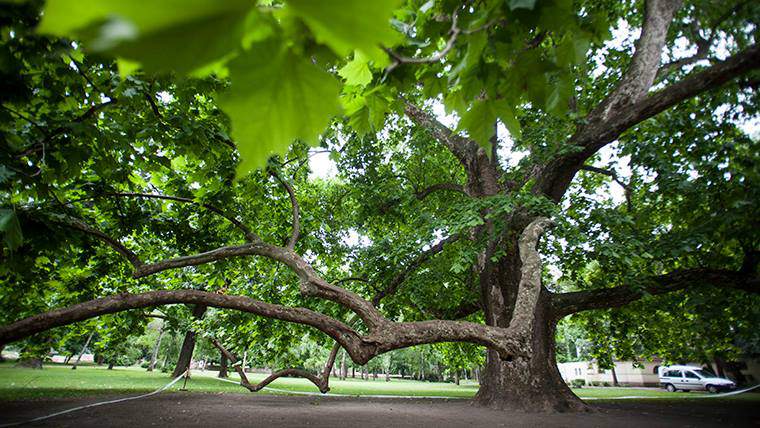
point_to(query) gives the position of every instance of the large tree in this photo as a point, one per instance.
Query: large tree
(448, 223)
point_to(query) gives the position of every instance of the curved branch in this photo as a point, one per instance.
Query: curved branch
(612, 174)
(249, 235)
(577, 301)
(296, 210)
(339, 331)
(642, 71)
(530, 276)
(555, 178)
(462, 148)
(360, 348)
(454, 187)
(311, 283)
(320, 382)
(77, 224)
(399, 278)
(453, 35)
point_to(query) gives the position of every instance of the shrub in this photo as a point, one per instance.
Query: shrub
(577, 383)
(606, 384)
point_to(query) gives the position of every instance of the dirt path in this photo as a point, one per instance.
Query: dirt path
(212, 410)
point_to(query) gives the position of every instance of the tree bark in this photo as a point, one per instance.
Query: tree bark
(223, 367)
(156, 347)
(720, 366)
(343, 367)
(530, 383)
(84, 348)
(188, 345)
(614, 376)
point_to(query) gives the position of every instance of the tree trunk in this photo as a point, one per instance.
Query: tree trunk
(532, 383)
(614, 376)
(353, 372)
(156, 347)
(456, 377)
(223, 367)
(84, 348)
(343, 367)
(1, 353)
(188, 345)
(720, 367)
(110, 365)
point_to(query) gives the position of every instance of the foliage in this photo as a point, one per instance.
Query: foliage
(105, 100)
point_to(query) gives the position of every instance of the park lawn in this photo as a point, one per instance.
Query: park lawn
(61, 381)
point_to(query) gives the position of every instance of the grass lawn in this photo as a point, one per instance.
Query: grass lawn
(61, 381)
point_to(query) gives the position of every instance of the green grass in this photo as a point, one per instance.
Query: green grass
(61, 381)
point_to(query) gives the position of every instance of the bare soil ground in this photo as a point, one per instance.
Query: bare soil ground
(223, 410)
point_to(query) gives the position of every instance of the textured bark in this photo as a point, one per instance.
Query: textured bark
(529, 383)
(188, 344)
(223, 367)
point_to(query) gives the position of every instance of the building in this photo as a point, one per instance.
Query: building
(643, 373)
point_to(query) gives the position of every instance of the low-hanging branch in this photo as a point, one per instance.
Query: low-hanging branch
(383, 335)
(321, 382)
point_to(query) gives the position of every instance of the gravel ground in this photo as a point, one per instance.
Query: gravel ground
(211, 410)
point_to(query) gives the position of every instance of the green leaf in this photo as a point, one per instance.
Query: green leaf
(559, 95)
(11, 229)
(521, 4)
(276, 97)
(348, 25)
(506, 114)
(169, 35)
(479, 122)
(356, 72)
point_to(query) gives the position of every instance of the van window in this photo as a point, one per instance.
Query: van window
(691, 375)
(673, 373)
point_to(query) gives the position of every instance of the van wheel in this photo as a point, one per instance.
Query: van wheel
(712, 389)
(671, 388)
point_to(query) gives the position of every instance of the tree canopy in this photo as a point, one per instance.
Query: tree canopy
(159, 153)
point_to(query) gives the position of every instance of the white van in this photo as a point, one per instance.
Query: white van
(690, 378)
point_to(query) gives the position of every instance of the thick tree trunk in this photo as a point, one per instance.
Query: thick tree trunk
(223, 367)
(188, 345)
(456, 377)
(110, 365)
(532, 383)
(154, 354)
